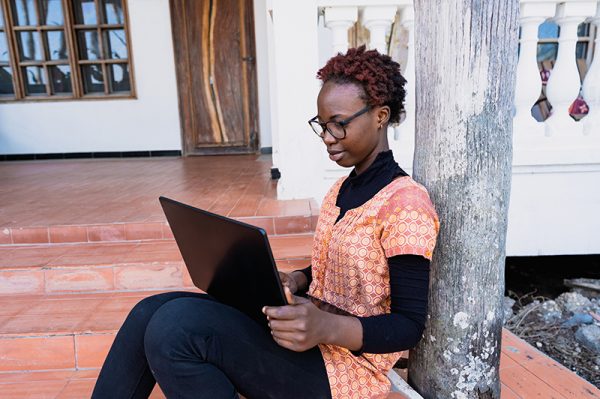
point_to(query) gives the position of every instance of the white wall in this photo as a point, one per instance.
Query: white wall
(293, 99)
(150, 122)
(554, 210)
(261, 25)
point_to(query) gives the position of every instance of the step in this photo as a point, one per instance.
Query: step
(77, 384)
(61, 332)
(55, 344)
(114, 267)
(276, 217)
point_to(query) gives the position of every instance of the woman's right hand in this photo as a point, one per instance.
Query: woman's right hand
(287, 280)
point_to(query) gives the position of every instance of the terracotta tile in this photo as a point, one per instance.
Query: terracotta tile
(36, 389)
(246, 206)
(80, 374)
(187, 279)
(313, 222)
(77, 389)
(28, 376)
(296, 207)
(157, 393)
(49, 305)
(526, 384)
(11, 305)
(290, 265)
(291, 247)
(143, 231)
(148, 276)
(5, 235)
(81, 193)
(270, 207)
(30, 235)
(167, 233)
(561, 379)
(92, 349)
(292, 225)
(264, 223)
(21, 282)
(102, 322)
(120, 304)
(507, 393)
(115, 232)
(27, 256)
(61, 234)
(37, 353)
(79, 279)
(314, 207)
(41, 325)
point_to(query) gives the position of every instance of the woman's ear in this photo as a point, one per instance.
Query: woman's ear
(383, 115)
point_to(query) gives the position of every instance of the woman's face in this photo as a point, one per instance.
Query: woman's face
(365, 134)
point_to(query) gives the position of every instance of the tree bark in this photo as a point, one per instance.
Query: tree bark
(466, 57)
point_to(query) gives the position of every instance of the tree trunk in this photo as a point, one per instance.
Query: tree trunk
(466, 57)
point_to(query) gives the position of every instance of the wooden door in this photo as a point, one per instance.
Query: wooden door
(216, 76)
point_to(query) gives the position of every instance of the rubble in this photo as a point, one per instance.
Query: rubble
(573, 302)
(566, 329)
(589, 336)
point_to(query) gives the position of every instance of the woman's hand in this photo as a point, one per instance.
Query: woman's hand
(300, 325)
(287, 280)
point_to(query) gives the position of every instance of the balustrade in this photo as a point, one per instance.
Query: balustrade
(591, 84)
(563, 86)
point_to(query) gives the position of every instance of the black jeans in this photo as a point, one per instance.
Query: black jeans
(196, 347)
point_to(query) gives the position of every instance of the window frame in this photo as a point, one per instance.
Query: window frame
(74, 59)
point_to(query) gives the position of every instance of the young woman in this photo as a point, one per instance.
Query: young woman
(367, 284)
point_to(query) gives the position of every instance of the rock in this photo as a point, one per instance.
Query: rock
(573, 302)
(550, 312)
(508, 308)
(589, 336)
(588, 287)
(579, 319)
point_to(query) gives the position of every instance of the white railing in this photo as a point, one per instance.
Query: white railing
(557, 140)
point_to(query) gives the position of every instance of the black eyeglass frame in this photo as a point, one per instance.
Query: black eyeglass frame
(343, 123)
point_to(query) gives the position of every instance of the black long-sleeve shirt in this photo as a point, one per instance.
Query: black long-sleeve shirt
(409, 274)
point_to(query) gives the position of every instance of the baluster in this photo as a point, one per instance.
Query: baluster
(406, 130)
(563, 85)
(378, 20)
(591, 84)
(339, 20)
(529, 81)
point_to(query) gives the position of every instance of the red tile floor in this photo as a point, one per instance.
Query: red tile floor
(82, 241)
(114, 200)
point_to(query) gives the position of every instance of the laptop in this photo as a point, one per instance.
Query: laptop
(230, 260)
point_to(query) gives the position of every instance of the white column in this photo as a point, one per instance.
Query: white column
(378, 20)
(529, 81)
(406, 130)
(563, 85)
(591, 84)
(294, 98)
(339, 20)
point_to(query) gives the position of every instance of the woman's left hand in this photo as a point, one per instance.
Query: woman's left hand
(298, 326)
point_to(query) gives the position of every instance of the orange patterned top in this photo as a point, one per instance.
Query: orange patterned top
(350, 271)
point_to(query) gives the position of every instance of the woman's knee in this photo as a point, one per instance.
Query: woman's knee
(174, 327)
(144, 309)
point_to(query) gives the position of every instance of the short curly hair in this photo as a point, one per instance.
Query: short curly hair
(377, 74)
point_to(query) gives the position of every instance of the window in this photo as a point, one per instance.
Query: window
(547, 48)
(64, 49)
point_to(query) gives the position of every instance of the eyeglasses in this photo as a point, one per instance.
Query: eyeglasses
(336, 128)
